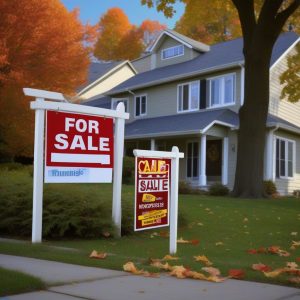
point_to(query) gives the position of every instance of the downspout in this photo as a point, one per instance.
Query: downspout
(242, 83)
(272, 149)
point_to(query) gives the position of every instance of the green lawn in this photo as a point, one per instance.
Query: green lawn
(13, 282)
(238, 224)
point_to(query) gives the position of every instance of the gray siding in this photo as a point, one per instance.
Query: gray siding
(282, 108)
(287, 186)
(167, 43)
(162, 99)
(142, 64)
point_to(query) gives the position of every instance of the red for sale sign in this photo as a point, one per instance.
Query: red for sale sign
(79, 148)
(152, 193)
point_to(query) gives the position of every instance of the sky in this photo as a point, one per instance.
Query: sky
(91, 10)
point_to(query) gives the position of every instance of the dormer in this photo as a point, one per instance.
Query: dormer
(172, 47)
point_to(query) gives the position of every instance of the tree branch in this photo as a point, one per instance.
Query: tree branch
(282, 17)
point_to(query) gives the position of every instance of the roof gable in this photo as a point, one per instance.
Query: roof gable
(188, 42)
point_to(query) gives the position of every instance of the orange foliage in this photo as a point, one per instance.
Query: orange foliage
(113, 26)
(150, 30)
(41, 46)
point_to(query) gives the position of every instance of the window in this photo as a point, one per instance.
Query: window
(192, 159)
(284, 158)
(115, 103)
(140, 105)
(222, 90)
(188, 96)
(172, 52)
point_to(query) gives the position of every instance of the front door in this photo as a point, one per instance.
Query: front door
(214, 158)
(192, 160)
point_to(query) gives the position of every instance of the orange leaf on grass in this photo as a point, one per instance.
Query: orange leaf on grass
(212, 271)
(274, 273)
(203, 259)
(170, 257)
(236, 273)
(159, 265)
(193, 242)
(252, 251)
(295, 280)
(98, 255)
(178, 271)
(130, 267)
(261, 267)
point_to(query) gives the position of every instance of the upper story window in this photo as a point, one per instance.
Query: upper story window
(285, 159)
(115, 103)
(188, 96)
(140, 105)
(172, 52)
(222, 90)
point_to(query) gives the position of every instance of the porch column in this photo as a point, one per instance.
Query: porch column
(225, 161)
(152, 144)
(269, 157)
(202, 175)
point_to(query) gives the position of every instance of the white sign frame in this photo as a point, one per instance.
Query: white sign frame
(40, 105)
(174, 155)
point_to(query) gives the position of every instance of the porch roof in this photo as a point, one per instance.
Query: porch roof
(180, 124)
(193, 123)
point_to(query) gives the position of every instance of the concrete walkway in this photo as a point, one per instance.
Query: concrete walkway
(72, 282)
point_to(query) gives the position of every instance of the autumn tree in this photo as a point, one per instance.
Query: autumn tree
(41, 46)
(261, 28)
(291, 77)
(202, 23)
(113, 27)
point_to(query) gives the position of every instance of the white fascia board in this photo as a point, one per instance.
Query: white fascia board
(284, 127)
(109, 73)
(285, 53)
(162, 134)
(216, 122)
(177, 77)
(152, 48)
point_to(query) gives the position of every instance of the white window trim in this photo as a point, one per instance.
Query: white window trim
(162, 51)
(191, 179)
(223, 90)
(114, 100)
(190, 99)
(140, 96)
(286, 157)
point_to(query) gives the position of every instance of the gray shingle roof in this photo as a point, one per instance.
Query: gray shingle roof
(220, 55)
(103, 102)
(191, 123)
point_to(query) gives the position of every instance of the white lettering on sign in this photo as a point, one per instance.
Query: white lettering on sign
(82, 125)
(153, 185)
(77, 141)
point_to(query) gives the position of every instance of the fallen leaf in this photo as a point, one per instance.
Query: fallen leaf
(261, 250)
(170, 257)
(193, 242)
(195, 275)
(294, 233)
(160, 265)
(274, 273)
(295, 244)
(236, 273)
(219, 243)
(200, 224)
(130, 267)
(297, 258)
(295, 280)
(245, 220)
(178, 271)
(98, 255)
(292, 265)
(261, 267)
(283, 253)
(212, 271)
(252, 251)
(203, 259)
(273, 249)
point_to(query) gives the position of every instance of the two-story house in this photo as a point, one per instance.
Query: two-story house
(188, 94)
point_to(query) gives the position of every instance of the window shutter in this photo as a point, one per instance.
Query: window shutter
(203, 94)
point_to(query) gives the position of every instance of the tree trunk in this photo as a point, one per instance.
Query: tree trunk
(252, 130)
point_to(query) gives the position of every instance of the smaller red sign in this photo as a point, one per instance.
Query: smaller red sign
(152, 193)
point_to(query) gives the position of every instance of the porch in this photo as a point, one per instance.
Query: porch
(205, 160)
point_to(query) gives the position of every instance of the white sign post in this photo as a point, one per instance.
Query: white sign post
(40, 105)
(174, 155)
